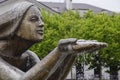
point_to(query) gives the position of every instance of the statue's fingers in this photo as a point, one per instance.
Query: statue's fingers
(67, 41)
(88, 46)
(91, 42)
(83, 40)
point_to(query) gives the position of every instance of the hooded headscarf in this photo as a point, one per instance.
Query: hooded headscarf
(11, 16)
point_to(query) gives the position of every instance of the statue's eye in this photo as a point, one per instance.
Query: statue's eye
(34, 18)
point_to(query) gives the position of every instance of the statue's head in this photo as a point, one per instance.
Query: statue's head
(23, 20)
(31, 27)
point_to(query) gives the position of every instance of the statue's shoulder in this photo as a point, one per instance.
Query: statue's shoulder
(9, 72)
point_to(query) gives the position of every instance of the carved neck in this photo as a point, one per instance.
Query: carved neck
(14, 47)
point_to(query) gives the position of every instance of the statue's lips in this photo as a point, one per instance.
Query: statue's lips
(40, 32)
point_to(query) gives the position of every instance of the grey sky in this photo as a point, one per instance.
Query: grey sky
(113, 5)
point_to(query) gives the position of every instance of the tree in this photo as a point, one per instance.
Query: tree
(103, 27)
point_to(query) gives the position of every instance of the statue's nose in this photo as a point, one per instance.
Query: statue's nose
(41, 24)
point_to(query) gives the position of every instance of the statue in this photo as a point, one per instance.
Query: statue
(21, 26)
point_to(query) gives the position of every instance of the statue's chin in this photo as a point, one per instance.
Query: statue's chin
(38, 40)
(31, 40)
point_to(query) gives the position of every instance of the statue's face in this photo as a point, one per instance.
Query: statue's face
(32, 26)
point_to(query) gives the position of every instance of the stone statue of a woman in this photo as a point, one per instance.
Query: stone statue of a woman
(21, 26)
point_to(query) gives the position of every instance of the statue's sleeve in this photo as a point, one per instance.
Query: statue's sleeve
(33, 56)
(32, 59)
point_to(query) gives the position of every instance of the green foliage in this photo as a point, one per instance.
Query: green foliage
(101, 27)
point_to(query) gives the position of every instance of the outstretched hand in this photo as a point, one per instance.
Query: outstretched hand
(72, 45)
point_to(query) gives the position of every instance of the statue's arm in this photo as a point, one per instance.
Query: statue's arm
(72, 47)
(65, 63)
(63, 69)
(55, 63)
(60, 60)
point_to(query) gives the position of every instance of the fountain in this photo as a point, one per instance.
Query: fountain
(20, 27)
